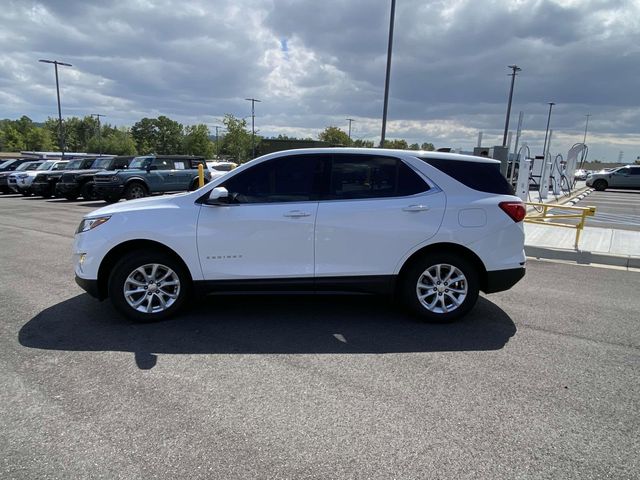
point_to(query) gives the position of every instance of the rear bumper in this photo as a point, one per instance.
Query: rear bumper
(500, 280)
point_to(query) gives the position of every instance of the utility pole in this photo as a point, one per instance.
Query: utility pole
(253, 130)
(386, 82)
(98, 115)
(350, 120)
(546, 133)
(60, 130)
(515, 69)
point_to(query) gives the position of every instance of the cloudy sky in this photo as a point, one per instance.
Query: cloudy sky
(315, 63)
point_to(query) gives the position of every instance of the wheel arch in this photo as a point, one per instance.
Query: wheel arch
(446, 247)
(115, 254)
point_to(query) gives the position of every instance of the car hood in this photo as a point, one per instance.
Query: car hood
(149, 203)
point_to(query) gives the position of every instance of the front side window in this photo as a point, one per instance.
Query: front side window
(60, 166)
(46, 165)
(74, 165)
(635, 171)
(367, 176)
(140, 163)
(287, 179)
(162, 164)
(101, 163)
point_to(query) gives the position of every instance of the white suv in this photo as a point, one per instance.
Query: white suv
(432, 228)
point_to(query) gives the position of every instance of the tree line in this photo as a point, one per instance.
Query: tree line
(160, 135)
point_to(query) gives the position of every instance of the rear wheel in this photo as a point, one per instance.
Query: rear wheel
(135, 190)
(600, 185)
(148, 286)
(111, 198)
(26, 193)
(71, 196)
(440, 287)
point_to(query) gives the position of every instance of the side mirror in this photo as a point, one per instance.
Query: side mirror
(216, 194)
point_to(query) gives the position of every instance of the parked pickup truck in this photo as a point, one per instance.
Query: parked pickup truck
(44, 185)
(150, 174)
(80, 183)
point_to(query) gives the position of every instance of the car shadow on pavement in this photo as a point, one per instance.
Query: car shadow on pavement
(259, 324)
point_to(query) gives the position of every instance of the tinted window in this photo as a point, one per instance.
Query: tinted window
(635, 171)
(74, 165)
(623, 171)
(196, 162)
(481, 176)
(120, 163)
(60, 166)
(140, 162)
(366, 176)
(288, 179)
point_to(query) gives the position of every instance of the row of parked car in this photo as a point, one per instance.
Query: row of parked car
(109, 178)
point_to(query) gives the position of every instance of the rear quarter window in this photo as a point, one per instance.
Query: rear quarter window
(481, 176)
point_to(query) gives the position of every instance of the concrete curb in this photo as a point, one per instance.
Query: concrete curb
(582, 256)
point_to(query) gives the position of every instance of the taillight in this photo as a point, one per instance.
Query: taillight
(515, 210)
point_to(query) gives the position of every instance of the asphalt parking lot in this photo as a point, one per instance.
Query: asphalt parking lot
(542, 381)
(618, 209)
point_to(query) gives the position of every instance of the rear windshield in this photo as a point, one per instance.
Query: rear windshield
(481, 176)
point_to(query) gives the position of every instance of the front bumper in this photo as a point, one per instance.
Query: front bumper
(41, 189)
(63, 189)
(500, 280)
(108, 190)
(89, 286)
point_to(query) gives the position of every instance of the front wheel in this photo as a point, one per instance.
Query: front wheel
(440, 287)
(148, 286)
(87, 191)
(600, 185)
(135, 190)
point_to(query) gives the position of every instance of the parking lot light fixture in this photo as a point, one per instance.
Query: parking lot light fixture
(60, 130)
(388, 74)
(515, 69)
(546, 133)
(98, 115)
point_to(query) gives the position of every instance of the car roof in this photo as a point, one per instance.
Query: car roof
(422, 154)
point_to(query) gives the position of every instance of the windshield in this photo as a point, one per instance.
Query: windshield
(5, 164)
(24, 166)
(74, 165)
(31, 166)
(101, 163)
(46, 165)
(140, 163)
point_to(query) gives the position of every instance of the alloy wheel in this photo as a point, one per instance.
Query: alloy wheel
(151, 288)
(442, 288)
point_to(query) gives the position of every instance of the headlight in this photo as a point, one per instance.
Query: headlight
(90, 223)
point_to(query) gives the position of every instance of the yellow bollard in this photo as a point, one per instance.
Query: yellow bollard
(200, 175)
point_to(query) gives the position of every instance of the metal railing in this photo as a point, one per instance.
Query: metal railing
(543, 216)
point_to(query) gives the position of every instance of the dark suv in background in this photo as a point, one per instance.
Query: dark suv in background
(150, 174)
(44, 185)
(80, 183)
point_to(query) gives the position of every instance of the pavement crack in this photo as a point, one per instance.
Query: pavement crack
(579, 337)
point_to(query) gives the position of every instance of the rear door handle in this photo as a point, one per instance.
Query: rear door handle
(415, 208)
(297, 214)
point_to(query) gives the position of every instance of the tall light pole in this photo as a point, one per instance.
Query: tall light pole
(546, 133)
(60, 131)
(217, 127)
(386, 82)
(350, 120)
(98, 115)
(253, 120)
(515, 69)
(584, 140)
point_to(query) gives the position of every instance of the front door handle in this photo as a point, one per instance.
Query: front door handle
(415, 208)
(297, 214)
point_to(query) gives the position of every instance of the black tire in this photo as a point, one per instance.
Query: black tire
(87, 191)
(111, 198)
(71, 197)
(26, 193)
(46, 195)
(438, 299)
(128, 265)
(135, 190)
(600, 185)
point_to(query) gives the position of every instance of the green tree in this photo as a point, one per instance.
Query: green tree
(396, 144)
(39, 140)
(237, 140)
(414, 146)
(144, 134)
(427, 146)
(169, 138)
(363, 143)
(196, 141)
(114, 141)
(334, 136)
(12, 140)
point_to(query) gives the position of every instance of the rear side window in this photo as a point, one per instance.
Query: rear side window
(367, 176)
(481, 176)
